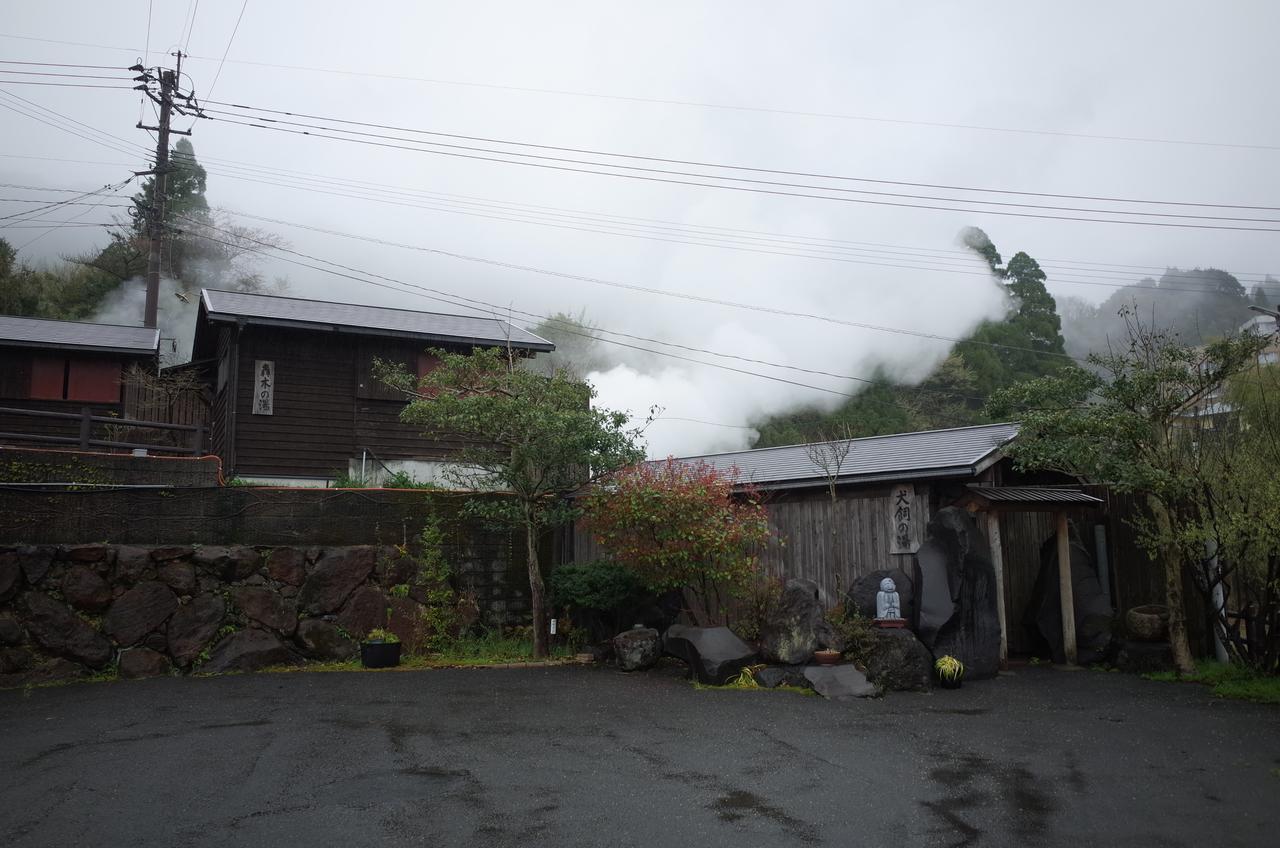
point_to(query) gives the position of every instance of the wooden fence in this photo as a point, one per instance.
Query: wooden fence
(121, 433)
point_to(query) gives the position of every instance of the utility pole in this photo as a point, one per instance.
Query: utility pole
(168, 80)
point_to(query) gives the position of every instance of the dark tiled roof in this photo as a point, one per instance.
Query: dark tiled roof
(1033, 495)
(367, 320)
(77, 335)
(930, 453)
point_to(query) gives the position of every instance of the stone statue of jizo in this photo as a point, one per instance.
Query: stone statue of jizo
(888, 606)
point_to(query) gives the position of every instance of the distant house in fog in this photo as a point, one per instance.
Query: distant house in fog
(294, 398)
(65, 367)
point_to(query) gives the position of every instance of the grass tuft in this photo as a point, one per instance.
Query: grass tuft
(1235, 682)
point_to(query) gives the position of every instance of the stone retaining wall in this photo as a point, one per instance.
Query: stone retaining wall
(73, 610)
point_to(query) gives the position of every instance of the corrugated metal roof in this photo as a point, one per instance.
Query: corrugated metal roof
(367, 320)
(1033, 495)
(77, 335)
(930, 453)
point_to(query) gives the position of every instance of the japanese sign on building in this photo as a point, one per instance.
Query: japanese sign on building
(903, 519)
(264, 386)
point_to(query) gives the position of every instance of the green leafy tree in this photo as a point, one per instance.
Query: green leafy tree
(1137, 422)
(680, 525)
(1026, 343)
(535, 438)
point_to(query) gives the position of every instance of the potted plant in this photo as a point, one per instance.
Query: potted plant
(380, 649)
(950, 672)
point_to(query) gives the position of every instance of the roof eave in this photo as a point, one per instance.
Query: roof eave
(125, 351)
(953, 471)
(230, 318)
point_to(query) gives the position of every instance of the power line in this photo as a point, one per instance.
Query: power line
(223, 61)
(657, 291)
(757, 190)
(493, 309)
(344, 183)
(116, 77)
(65, 84)
(61, 65)
(700, 239)
(721, 165)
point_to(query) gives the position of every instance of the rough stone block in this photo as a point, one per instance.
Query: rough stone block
(898, 661)
(138, 612)
(637, 648)
(56, 628)
(839, 682)
(179, 576)
(337, 573)
(267, 608)
(714, 654)
(84, 589)
(193, 626)
(249, 650)
(287, 565)
(143, 662)
(323, 640)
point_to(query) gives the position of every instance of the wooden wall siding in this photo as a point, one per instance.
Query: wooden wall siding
(802, 544)
(321, 418)
(379, 428)
(1021, 535)
(311, 432)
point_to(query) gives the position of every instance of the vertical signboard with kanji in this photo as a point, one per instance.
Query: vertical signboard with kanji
(903, 519)
(264, 387)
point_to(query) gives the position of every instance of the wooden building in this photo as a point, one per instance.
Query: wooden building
(886, 490)
(294, 397)
(58, 378)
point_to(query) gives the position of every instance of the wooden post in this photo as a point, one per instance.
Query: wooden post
(86, 427)
(1064, 590)
(997, 562)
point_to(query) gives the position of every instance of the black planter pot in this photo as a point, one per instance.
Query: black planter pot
(950, 682)
(379, 654)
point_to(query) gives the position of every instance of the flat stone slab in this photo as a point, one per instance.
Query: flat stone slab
(839, 682)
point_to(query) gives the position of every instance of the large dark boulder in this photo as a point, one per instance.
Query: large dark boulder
(337, 573)
(248, 650)
(133, 564)
(35, 561)
(714, 654)
(10, 575)
(10, 630)
(84, 553)
(1094, 616)
(958, 613)
(193, 626)
(287, 565)
(57, 629)
(862, 593)
(796, 627)
(323, 640)
(773, 676)
(267, 608)
(138, 612)
(13, 660)
(136, 663)
(898, 661)
(84, 589)
(363, 611)
(840, 682)
(637, 648)
(229, 563)
(179, 576)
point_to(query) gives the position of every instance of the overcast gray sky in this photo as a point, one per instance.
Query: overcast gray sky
(875, 81)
